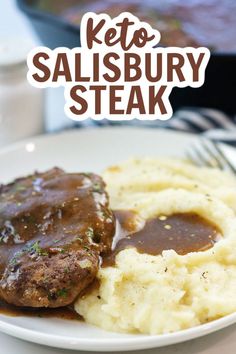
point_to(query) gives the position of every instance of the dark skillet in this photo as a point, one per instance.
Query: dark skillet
(220, 84)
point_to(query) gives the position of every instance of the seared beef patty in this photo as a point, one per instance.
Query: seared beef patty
(53, 227)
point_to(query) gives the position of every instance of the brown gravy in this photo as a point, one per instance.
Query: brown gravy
(50, 222)
(183, 233)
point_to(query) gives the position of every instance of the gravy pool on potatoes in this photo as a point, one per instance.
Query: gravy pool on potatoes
(183, 233)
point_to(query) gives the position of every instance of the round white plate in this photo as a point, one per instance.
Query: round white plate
(93, 150)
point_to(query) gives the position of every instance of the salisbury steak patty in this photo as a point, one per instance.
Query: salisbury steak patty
(53, 227)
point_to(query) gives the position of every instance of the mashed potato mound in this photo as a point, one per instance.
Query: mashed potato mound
(150, 294)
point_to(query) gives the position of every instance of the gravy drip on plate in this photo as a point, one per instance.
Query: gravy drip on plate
(183, 233)
(65, 313)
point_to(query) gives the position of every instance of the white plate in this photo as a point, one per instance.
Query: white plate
(93, 150)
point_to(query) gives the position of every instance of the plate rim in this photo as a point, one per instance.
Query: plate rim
(137, 342)
(94, 129)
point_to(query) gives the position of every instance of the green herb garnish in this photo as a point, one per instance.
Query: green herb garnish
(66, 270)
(19, 188)
(87, 174)
(90, 233)
(56, 241)
(97, 187)
(37, 249)
(62, 292)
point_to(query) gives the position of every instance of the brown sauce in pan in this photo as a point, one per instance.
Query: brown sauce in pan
(181, 23)
(183, 233)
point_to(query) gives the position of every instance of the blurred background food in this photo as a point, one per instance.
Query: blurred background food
(210, 23)
(182, 23)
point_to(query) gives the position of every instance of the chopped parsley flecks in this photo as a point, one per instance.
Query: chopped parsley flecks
(97, 187)
(90, 232)
(62, 292)
(37, 249)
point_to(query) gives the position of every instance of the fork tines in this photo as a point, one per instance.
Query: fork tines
(205, 152)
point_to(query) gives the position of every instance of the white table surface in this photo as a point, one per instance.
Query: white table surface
(221, 342)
